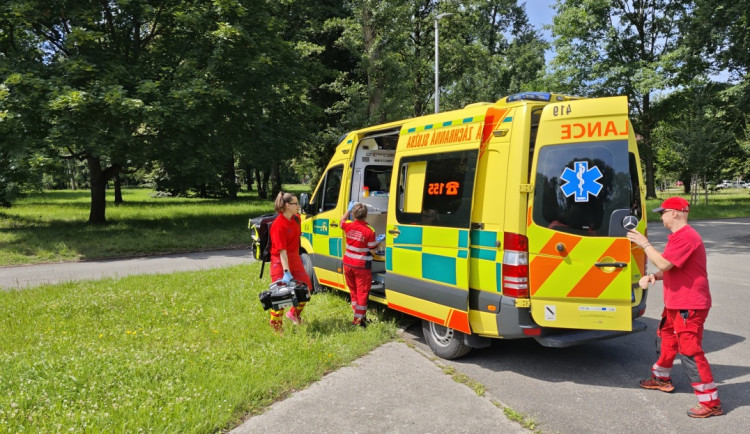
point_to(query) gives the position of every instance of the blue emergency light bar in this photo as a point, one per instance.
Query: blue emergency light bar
(530, 96)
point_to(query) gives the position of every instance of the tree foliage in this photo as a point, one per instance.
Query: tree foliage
(192, 96)
(611, 47)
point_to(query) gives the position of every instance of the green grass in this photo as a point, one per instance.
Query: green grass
(51, 226)
(525, 422)
(729, 203)
(185, 352)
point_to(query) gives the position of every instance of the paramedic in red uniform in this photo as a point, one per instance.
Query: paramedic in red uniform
(687, 300)
(286, 263)
(360, 243)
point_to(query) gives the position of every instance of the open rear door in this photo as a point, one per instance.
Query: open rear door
(579, 258)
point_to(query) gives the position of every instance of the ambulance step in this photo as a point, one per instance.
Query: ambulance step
(378, 289)
(577, 337)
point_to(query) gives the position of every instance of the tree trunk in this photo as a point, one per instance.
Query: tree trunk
(72, 173)
(374, 75)
(249, 177)
(97, 214)
(649, 157)
(275, 179)
(262, 192)
(230, 177)
(118, 190)
(266, 176)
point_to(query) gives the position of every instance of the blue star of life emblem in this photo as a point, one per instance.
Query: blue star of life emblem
(582, 181)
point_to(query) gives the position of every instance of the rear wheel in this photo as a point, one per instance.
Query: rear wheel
(445, 342)
(307, 262)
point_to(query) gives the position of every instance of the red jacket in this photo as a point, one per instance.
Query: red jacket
(360, 238)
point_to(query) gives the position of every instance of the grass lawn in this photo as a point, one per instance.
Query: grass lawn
(51, 226)
(728, 203)
(185, 352)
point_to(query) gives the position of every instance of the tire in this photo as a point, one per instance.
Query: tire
(307, 262)
(445, 342)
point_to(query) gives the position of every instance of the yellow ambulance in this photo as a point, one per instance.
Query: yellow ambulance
(502, 220)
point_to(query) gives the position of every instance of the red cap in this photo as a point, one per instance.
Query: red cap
(675, 203)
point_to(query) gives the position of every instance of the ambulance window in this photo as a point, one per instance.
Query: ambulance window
(636, 208)
(578, 187)
(536, 115)
(327, 196)
(377, 179)
(436, 189)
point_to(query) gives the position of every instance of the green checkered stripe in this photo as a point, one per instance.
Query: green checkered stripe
(438, 125)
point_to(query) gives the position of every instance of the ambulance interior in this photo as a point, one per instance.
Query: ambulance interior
(371, 179)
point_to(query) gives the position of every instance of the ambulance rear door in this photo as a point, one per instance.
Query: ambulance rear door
(584, 197)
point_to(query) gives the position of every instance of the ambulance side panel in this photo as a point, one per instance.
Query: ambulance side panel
(429, 217)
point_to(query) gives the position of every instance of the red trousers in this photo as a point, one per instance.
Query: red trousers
(359, 281)
(681, 331)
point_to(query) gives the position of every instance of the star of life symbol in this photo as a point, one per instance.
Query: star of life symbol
(582, 181)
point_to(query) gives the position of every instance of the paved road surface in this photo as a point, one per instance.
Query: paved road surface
(32, 275)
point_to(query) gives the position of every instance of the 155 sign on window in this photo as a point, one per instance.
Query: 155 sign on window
(443, 188)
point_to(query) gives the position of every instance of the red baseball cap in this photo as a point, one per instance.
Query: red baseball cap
(675, 203)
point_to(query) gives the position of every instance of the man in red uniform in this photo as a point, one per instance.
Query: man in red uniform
(687, 300)
(286, 263)
(360, 243)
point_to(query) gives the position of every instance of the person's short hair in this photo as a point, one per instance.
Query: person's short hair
(359, 211)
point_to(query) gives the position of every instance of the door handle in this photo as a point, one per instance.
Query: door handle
(333, 225)
(611, 264)
(394, 231)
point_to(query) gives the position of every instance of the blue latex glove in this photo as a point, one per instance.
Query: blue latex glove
(287, 277)
(380, 238)
(351, 205)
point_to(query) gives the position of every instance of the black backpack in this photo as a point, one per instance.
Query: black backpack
(260, 238)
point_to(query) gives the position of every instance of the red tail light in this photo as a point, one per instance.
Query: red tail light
(516, 266)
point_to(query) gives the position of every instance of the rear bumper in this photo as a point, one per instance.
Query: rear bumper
(577, 337)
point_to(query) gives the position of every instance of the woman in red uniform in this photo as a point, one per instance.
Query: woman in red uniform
(286, 263)
(360, 245)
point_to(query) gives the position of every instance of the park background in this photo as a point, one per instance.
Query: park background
(165, 125)
(211, 99)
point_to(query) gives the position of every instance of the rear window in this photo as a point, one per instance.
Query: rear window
(585, 188)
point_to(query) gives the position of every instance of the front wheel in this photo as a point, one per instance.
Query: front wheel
(445, 342)
(307, 262)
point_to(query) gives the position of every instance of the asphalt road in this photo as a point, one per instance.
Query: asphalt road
(593, 388)
(32, 275)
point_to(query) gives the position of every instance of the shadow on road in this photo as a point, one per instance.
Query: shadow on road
(619, 362)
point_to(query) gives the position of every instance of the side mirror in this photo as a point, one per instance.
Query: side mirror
(304, 201)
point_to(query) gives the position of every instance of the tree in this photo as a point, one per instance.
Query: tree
(610, 47)
(95, 59)
(720, 33)
(692, 139)
(493, 52)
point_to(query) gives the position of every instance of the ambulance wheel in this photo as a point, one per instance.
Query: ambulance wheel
(445, 342)
(307, 262)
